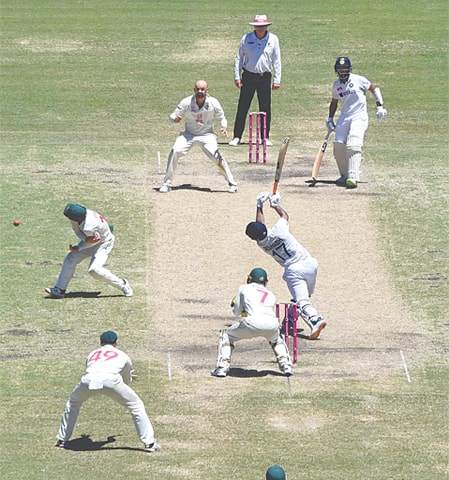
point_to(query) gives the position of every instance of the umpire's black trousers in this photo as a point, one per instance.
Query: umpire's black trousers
(252, 83)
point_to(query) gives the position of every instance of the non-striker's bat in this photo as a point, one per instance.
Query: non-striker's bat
(280, 163)
(319, 156)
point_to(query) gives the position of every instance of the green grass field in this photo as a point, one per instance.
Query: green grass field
(86, 88)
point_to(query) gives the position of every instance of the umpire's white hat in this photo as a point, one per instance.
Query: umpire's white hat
(260, 21)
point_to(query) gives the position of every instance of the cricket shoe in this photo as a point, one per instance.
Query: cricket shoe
(126, 289)
(152, 447)
(55, 292)
(233, 189)
(318, 326)
(234, 142)
(287, 370)
(340, 182)
(268, 142)
(60, 444)
(219, 372)
(351, 183)
(165, 188)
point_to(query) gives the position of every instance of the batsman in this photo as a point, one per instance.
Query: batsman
(300, 268)
(350, 129)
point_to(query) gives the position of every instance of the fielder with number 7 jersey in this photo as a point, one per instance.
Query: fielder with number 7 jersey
(255, 304)
(300, 268)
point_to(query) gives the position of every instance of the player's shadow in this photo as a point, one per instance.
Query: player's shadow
(85, 295)
(189, 186)
(243, 373)
(85, 444)
(313, 183)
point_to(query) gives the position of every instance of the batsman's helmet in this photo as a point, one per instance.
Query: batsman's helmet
(257, 275)
(343, 68)
(256, 230)
(275, 473)
(75, 212)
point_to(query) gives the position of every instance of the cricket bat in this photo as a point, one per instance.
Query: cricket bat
(280, 163)
(319, 156)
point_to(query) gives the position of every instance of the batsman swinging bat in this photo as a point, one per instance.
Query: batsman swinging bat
(319, 156)
(280, 163)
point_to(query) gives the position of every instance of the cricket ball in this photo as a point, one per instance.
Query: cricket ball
(16, 223)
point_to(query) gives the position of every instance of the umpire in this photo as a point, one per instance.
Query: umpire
(257, 60)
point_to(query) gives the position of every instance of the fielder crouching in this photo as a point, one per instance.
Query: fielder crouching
(255, 304)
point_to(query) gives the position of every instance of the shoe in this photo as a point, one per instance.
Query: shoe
(219, 372)
(60, 444)
(340, 182)
(287, 370)
(268, 142)
(232, 189)
(152, 447)
(317, 327)
(55, 292)
(165, 188)
(351, 183)
(126, 289)
(234, 142)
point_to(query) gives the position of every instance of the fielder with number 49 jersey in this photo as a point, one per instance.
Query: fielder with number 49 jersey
(300, 268)
(255, 304)
(108, 372)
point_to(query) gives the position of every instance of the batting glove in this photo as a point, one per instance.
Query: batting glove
(381, 113)
(262, 198)
(275, 200)
(330, 124)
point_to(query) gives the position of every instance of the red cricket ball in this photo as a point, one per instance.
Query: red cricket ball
(16, 223)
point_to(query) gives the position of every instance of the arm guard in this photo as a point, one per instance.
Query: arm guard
(378, 96)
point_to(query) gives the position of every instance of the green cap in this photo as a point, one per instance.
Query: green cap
(108, 337)
(75, 212)
(275, 473)
(258, 275)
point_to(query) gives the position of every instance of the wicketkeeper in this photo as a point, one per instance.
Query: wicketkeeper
(255, 304)
(300, 268)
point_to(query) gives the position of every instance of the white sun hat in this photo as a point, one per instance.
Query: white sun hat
(260, 21)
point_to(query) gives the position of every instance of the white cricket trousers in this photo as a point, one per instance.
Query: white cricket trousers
(99, 255)
(208, 144)
(351, 130)
(118, 391)
(251, 328)
(301, 278)
(301, 281)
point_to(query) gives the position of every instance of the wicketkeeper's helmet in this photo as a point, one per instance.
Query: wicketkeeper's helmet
(256, 230)
(75, 212)
(257, 275)
(343, 68)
